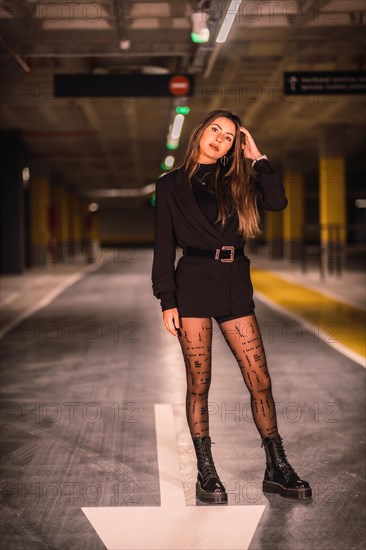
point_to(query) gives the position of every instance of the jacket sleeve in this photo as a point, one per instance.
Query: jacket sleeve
(270, 191)
(165, 243)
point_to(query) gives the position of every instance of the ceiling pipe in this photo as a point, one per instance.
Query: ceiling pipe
(310, 10)
(123, 40)
(112, 54)
(60, 133)
(70, 154)
(16, 56)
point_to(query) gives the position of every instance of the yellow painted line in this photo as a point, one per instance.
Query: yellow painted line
(344, 323)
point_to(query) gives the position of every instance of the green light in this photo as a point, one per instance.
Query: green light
(166, 166)
(172, 146)
(182, 110)
(198, 38)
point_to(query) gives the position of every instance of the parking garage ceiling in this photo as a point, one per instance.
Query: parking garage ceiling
(119, 142)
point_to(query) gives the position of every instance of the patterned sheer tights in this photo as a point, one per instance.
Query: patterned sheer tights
(244, 340)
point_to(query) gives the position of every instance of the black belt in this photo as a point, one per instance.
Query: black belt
(226, 253)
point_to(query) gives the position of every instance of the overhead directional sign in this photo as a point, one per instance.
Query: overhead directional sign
(173, 525)
(123, 85)
(325, 82)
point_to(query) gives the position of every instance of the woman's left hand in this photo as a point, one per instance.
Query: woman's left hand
(250, 149)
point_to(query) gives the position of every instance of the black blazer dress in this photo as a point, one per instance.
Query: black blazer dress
(205, 287)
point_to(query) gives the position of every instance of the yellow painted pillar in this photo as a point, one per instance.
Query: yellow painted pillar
(75, 224)
(39, 197)
(332, 194)
(294, 213)
(84, 215)
(95, 227)
(60, 199)
(332, 188)
(273, 232)
(91, 240)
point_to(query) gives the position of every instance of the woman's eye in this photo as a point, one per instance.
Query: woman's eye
(213, 128)
(228, 137)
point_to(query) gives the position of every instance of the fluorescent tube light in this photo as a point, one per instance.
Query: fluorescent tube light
(228, 20)
(177, 126)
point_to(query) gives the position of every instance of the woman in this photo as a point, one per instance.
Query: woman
(208, 206)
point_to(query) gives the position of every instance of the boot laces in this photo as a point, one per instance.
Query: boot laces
(285, 465)
(283, 461)
(207, 463)
(208, 471)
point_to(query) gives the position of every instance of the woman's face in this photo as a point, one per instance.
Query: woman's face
(216, 140)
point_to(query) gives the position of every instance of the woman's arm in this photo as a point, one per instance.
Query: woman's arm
(270, 191)
(165, 244)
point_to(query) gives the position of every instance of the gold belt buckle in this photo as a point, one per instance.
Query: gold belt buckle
(226, 247)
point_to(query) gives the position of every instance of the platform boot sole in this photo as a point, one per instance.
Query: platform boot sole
(214, 498)
(296, 494)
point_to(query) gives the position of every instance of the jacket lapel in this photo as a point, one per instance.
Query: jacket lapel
(194, 213)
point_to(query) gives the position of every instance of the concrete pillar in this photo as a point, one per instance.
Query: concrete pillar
(12, 226)
(294, 213)
(39, 198)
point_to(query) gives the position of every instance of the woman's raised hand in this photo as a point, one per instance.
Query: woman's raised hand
(250, 149)
(171, 320)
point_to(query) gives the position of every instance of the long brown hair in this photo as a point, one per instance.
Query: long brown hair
(233, 175)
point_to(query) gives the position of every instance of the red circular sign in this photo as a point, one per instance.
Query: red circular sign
(179, 85)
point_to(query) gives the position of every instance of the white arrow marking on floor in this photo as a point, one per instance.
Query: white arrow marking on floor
(173, 525)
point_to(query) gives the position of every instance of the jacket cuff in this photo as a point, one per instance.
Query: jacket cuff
(263, 166)
(167, 300)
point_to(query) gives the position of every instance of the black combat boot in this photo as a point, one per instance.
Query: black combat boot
(208, 486)
(279, 475)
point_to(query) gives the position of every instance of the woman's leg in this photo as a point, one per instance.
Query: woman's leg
(195, 338)
(244, 339)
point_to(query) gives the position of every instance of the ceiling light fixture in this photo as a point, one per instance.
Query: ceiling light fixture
(25, 175)
(228, 20)
(177, 126)
(171, 143)
(168, 163)
(124, 44)
(200, 32)
(182, 110)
